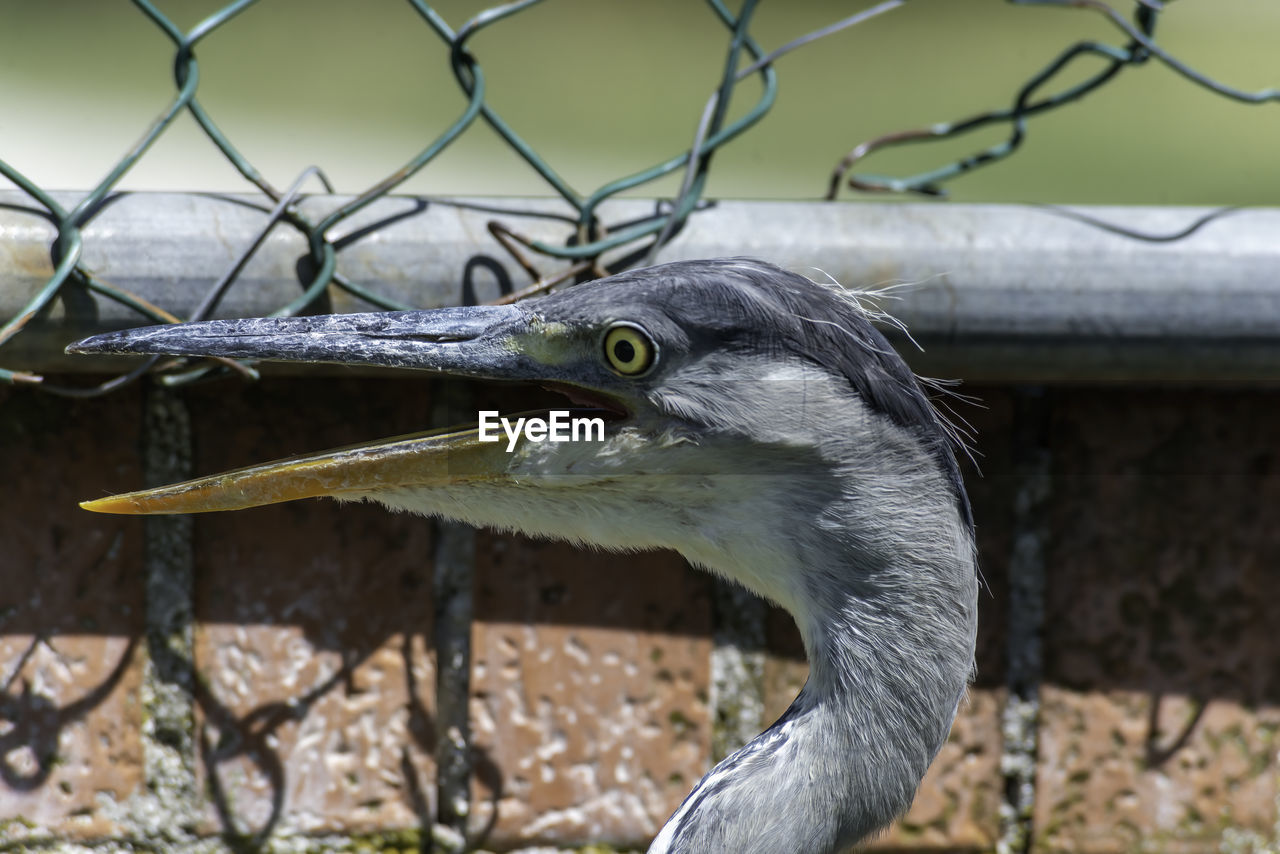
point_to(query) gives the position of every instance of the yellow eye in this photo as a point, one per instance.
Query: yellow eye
(629, 350)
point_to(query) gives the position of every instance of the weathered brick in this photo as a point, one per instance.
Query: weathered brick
(315, 672)
(590, 692)
(1124, 769)
(70, 616)
(1159, 715)
(1159, 723)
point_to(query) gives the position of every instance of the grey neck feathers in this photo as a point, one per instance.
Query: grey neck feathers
(890, 637)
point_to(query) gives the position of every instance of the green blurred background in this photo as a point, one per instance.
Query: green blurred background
(602, 88)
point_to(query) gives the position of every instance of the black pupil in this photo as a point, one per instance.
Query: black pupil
(625, 351)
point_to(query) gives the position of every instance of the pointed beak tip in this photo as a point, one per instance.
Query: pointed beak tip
(136, 504)
(113, 504)
(94, 344)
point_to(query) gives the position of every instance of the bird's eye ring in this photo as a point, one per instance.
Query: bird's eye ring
(629, 350)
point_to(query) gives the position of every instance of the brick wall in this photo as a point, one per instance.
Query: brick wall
(271, 674)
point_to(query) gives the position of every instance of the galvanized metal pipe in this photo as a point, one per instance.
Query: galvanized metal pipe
(996, 292)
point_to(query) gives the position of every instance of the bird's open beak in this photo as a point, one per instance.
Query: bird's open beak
(485, 342)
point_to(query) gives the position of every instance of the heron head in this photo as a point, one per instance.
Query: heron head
(724, 389)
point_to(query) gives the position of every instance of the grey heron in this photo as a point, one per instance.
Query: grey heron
(757, 423)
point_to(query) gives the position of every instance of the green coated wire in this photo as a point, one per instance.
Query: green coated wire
(514, 140)
(672, 164)
(72, 242)
(713, 132)
(927, 182)
(69, 242)
(181, 72)
(188, 89)
(33, 190)
(322, 250)
(1141, 47)
(682, 209)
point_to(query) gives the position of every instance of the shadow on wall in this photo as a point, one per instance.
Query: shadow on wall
(313, 620)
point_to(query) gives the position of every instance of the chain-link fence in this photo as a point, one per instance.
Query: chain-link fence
(590, 245)
(573, 237)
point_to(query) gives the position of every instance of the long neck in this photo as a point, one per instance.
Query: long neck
(890, 638)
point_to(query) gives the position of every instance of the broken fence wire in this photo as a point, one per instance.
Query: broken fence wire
(589, 238)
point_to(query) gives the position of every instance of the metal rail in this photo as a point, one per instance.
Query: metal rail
(992, 293)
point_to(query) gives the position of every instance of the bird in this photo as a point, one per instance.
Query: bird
(755, 421)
